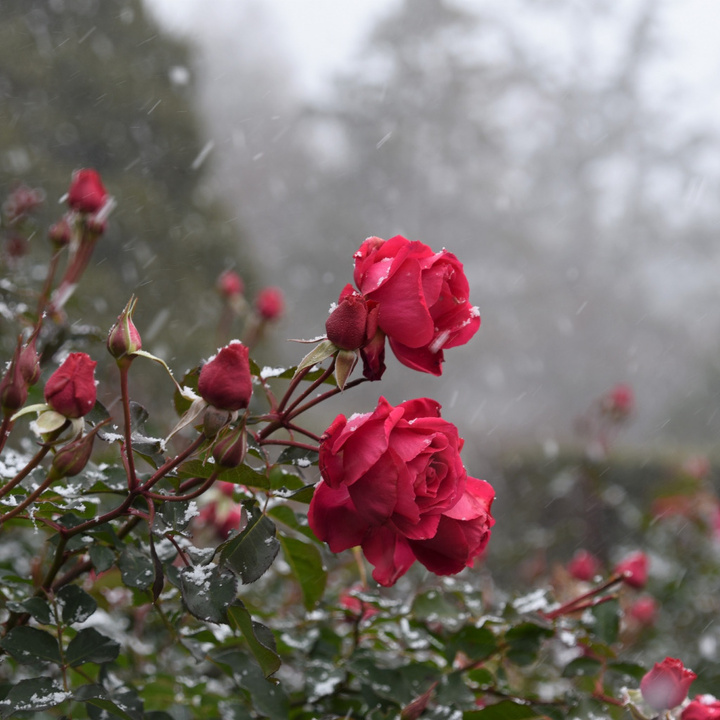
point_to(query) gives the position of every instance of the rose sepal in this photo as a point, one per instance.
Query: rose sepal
(319, 353)
(345, 363)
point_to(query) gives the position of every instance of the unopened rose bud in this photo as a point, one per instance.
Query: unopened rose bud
(619, 402)
(87, 193)
(70, 390)
(225, 381)
(583, 566)
(667, 684)
(270, 303)
(229, 452)
(124, 339)
(634, 570)
(29, 362)
(60, 233)
(346, 327)
(71, 459)
(214, 421)
(13, 388)
(644, 610)
(229, 284)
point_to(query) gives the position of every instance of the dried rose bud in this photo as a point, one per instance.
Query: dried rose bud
(270, 303)
(87, 193)
(225, 381)
(70, 390)
(229, 284)
(124, 339)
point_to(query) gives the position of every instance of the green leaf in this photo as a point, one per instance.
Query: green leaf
(138, 416)
(207, 592)
(607, 621)
(505, 710)
(288, 517)
(77, 605)
(630, 669)
(32, 696)
(307, 566)
(241, 475)
(90, 646)
(251, 553)
(136, 568)
(96, 696)
(102, 558)
(259, 638)
(299, 457)
(583, 666)
(35, 606)
(30, 645)
(476, 643)
(524, 642)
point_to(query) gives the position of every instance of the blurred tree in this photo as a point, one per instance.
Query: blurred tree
(86, 83)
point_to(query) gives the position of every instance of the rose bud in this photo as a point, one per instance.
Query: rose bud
(229, 452)
(644, 610)
(667, 684)
(346, 327)
(634, 569)
(583, 566)
(70, 390)
(87, 193)
(270, 303)
(619, 402)
(60, 233)
(30, 361)
(229, 284)
(225, 381)
(13, 388)
(124, 339)
(703, 707)
(71, 459)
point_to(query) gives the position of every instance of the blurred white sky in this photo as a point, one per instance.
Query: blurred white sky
(320, 37)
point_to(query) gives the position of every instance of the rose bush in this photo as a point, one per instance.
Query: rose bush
(422, 297)
(393, 483)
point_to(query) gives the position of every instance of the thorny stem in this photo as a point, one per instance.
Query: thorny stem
(132, 477)
(181, 553)
(5, 429)
(171, 464)
(291, 389)
(34, 462)
(179, 498)
(325, 396)
(316, 384)
(289, 443)
(45, 292)
(30, 498)
(296, 428)
(579, 603)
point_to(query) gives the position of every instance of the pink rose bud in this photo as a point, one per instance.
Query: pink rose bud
(13, 388)
(270, 303)
(634, 569)
(346, 327)
(583, 566)
(71, 459)
(70, 390)
(124, 339)
(703, 707)
(644, 610)
(30, 361)
(225, 381)
(87, 193)
(619, 402)
(229, 451)
(229, 284)
(60, 233)
(667, 684)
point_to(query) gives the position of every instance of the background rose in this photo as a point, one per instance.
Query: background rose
(422, 296)
(394, 483)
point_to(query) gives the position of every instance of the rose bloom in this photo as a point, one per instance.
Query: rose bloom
(583, 566)
(422, 297)
(667, 684)
(71, 390)
(393, 483)
(87, 193)
(703, 707)
(225, 381)
(634, 568)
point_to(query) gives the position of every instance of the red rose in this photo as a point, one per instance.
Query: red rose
(667, 684)
(393, 482)
(270, 303)
(703, 707)
(583, 566)
(70, 390)
(422, 297)
(353, 322)
(225, 381)
(87, 193)
(634, 569)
